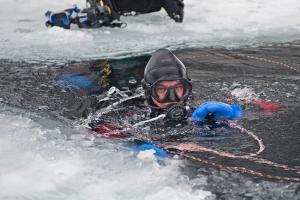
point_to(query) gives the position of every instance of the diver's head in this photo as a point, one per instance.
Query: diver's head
(166, 82)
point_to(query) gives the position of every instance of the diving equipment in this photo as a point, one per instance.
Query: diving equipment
(176, 112)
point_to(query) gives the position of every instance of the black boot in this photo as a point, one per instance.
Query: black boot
(175, 9)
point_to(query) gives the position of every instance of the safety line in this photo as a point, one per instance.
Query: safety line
(267, 61)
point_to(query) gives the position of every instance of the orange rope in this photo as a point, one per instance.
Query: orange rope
(236, 169)
(267, 61)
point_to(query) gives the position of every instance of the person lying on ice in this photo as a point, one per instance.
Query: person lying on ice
(167, 89)
(105, 12)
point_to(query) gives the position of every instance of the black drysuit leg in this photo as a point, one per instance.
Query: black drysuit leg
(174, 8)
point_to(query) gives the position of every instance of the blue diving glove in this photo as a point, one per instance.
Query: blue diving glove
(218, 111)
(147, 146)
(62, 19)
(58, 19)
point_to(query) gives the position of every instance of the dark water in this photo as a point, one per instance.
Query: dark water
(215, 70)
(272, 82)
(270, 73)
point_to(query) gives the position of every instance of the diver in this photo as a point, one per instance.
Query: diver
(163, 103)
(168, 88)
(101, 13)
(174, 8)
(95, 16)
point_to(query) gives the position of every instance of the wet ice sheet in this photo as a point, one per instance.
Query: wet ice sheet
(42, 162)
(230, 23)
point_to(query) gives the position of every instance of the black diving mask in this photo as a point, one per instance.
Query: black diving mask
(165, 91)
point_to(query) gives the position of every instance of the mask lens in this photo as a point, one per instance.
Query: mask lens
(179, 90)
(161, 91)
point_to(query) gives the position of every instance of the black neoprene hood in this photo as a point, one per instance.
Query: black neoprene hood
(164, 65)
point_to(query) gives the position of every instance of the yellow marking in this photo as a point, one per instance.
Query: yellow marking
(101, 2)
(109, 10)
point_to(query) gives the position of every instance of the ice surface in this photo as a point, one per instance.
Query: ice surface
(230, 23)
(41, 162)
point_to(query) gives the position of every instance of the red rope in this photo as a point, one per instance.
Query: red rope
(192, 147)
(236, 169)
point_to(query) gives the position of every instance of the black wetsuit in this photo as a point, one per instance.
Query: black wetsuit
(174, 8)
(106, 12)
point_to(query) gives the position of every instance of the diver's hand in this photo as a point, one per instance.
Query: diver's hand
(217, 110)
